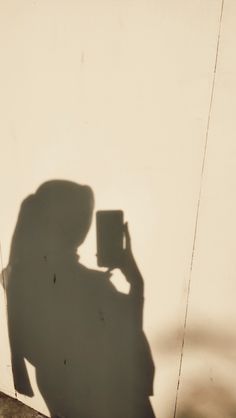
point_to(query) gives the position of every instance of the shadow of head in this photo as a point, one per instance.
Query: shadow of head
(55, 218)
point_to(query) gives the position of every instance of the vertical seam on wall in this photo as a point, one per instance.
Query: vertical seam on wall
(199, 203)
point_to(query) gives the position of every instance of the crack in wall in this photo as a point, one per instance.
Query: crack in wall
(198, 204)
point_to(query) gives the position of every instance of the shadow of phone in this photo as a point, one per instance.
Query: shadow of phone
(110, 237)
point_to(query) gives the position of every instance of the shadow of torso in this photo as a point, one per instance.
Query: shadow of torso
(83, 337)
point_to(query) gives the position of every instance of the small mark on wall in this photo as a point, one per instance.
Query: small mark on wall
(101, 315)
(82, 58)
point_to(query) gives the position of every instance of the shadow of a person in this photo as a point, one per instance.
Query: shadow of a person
(83, 337)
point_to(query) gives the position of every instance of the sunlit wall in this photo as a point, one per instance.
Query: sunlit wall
(116, 94)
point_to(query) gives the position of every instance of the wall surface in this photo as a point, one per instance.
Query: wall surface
(135, 99)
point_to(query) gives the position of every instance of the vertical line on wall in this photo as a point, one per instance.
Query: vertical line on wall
(198, 203)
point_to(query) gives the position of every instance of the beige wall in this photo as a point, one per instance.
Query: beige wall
(116, 94)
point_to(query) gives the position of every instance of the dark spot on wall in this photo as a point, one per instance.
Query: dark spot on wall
(101, 315)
